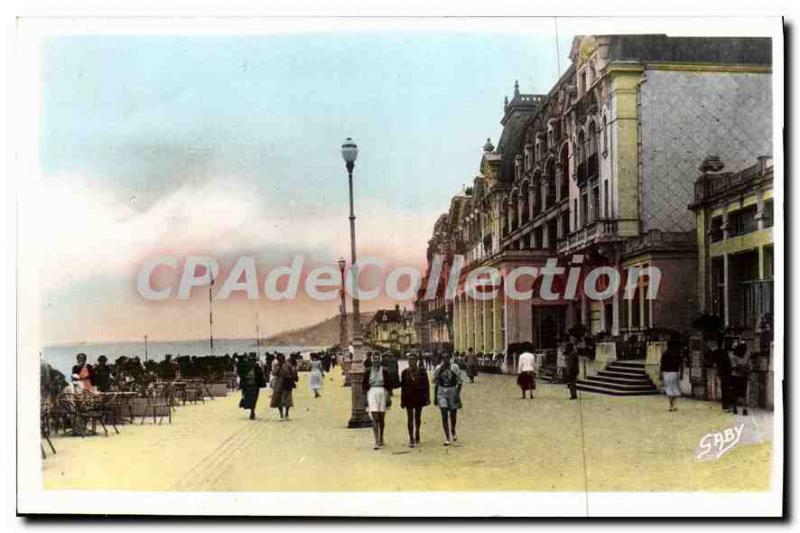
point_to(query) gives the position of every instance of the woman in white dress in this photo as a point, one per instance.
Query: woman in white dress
(377, 386)
(316, 375)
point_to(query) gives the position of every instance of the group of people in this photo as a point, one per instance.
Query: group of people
(526, 371)
(131, 373)
(733, 369)
(283, 378)
(380, 380)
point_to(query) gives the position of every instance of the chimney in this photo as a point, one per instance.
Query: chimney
(763, 163)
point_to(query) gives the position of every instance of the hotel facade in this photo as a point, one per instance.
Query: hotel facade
(601, 171)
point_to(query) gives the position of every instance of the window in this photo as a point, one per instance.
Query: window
(563, 183)
(596, 323)
(595, 202)
(715, 232)
(552, 234)
(718, 286)
(768, 214)
(575, 213)
(565, 223)
(636, 306)
(606, 210)
(742, 221)
(591, 151)
(605, 136)
(769, 262)
(624, 313)
(584, 208)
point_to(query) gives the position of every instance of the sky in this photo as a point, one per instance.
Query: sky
(229, 146)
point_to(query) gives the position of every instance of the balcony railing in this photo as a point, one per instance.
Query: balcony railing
(713, 184)
(588, 233)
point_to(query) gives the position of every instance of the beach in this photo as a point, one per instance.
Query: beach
(599, 443)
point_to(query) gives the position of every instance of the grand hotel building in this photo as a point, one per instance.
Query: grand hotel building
(603, 167)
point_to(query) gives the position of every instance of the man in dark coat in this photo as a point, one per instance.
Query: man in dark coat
(414, 395)
(722, 362)
(251, 379)
(571, 374)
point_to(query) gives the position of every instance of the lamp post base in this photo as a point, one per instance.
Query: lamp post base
(346, 372)
(359, 418)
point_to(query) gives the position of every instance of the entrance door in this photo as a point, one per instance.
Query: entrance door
(548, 326)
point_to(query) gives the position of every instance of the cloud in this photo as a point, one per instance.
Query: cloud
(84, 233)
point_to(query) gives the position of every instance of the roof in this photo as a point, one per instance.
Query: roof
(724, 50)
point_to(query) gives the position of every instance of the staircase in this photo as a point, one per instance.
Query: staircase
(620, 378)
(547, 373)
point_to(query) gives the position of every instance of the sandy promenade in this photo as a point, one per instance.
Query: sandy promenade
(548, 444)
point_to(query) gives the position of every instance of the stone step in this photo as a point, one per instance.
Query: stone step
(615, 392)
(622, 375)
(617, 381)
(617, 386)
(625, 369)
(629, 364)
(620, 378)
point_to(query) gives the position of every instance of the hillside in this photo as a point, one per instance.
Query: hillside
(325, 333)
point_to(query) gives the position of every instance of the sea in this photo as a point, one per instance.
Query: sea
(62, 357)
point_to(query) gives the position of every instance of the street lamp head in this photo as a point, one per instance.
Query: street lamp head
(349, 152)
(342, 263)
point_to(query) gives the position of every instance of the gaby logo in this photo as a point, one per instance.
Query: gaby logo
(715, 445)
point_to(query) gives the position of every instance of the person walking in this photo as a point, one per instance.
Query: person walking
(526, 378)
(447, 381)
(414, 395)
(740, 372)
(472, 365)
(251, 380)
(722, 362)
(377, 385)
(316, 375)
(671, 362)
(571, 371)
(285, 381)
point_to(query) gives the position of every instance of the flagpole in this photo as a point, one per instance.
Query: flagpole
(211, 311)
(258, 335)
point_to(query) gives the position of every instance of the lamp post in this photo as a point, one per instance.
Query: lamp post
(343, 344)
(342, 309)
(358, 415)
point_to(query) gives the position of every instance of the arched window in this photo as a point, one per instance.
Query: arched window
(524, 196)
(591, 150)
(550, 183)
(563, 182)
(513, 221)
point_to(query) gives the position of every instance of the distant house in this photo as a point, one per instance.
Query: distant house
(392, 329)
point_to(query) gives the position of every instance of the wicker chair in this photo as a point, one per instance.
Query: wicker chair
(159, 404)
(45, 421)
